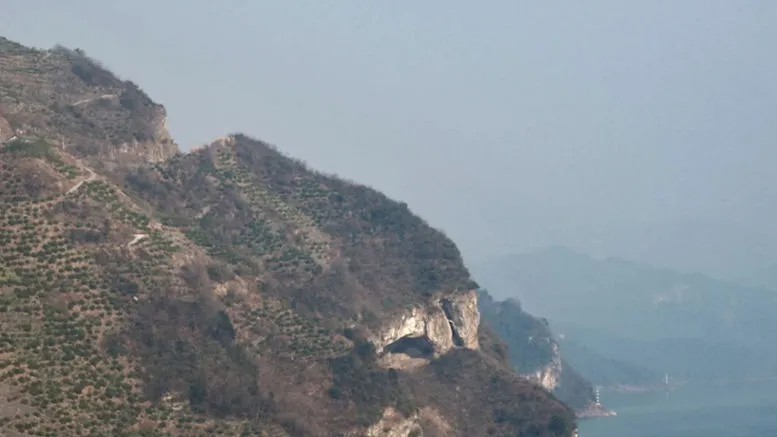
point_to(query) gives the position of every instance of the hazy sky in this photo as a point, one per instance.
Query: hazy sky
(610, 126)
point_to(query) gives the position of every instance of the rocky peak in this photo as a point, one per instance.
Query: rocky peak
(71, 100)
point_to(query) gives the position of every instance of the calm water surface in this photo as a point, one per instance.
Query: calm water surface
(747, 409)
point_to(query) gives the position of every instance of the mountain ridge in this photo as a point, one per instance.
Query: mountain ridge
(226, 291)
(64, 95)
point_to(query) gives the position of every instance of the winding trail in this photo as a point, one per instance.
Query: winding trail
(92, 176)
(203, 212)
(137, 238)
(102, 97)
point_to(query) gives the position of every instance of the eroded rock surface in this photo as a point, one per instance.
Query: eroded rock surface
(394, 424)
(463, 315)
(448, 322)
(549, 375)
(426, 422)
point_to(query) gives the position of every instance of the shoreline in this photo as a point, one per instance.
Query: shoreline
(634, 389)
(594, 411)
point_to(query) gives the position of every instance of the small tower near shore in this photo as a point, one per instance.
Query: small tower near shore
(597, 399)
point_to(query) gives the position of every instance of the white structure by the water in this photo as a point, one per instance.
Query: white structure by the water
(597, 399)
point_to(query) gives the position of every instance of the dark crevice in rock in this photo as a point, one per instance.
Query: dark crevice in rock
(447, 308)
(414, 347)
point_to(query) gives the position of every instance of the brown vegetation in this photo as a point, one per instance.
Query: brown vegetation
(244, 305)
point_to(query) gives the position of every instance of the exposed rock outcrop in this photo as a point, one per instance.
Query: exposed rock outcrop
(533, 351)
(464, 317)
(158, 147)
(70, 100)
(430, 331)
(548, 376)
(394, 424)
(426, 422)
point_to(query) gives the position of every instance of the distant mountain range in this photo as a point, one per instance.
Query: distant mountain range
(724, 250)
(637, 321)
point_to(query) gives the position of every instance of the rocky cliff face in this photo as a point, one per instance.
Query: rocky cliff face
(549, 375)
(68, 98)
(533, 351)
(227, 291)
(428, 331)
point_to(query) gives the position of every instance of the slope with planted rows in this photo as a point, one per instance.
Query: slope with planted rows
(227, 291)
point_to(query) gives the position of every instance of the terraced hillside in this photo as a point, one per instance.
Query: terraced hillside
(229, 291)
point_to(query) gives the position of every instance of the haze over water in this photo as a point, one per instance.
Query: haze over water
(746, 409)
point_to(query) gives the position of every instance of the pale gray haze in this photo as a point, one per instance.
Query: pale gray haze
(640, 129)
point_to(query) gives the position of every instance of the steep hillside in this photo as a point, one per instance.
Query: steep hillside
(533, 351)
(228, 291)
(69, 99)
(690, 325)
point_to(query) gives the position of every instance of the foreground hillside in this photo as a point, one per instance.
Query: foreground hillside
(227, 291)
(649, 320)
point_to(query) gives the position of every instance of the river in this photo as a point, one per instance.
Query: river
(747, 409)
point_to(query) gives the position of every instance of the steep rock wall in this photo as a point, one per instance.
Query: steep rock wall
(447, 322)
(157, 147)
(548, 376)
(533, 351)
(71, 100)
